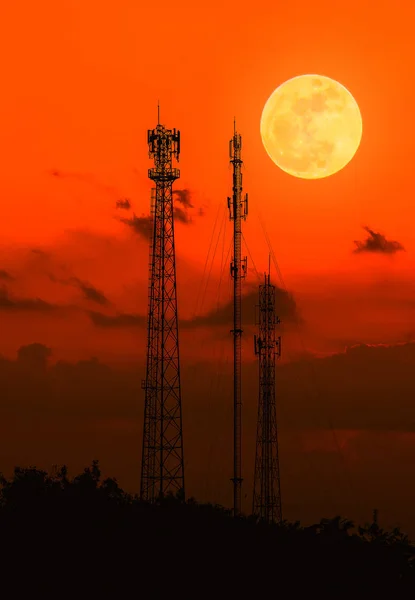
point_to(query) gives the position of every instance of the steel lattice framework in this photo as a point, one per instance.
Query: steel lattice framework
(162, 467)
(238, 210)
(267, 490)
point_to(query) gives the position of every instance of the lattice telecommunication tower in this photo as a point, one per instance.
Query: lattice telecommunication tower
(162, 467)
(267, 489)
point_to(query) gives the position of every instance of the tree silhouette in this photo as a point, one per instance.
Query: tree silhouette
(99, 541)
(337, 527)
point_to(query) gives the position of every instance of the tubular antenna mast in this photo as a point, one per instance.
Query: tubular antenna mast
(267, 489)
(162, 466)
(238, 210)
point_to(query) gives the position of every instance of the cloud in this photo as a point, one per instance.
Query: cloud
(83, 270)
(117, 321)
(71, 388)
(184, 197)
(124, 204)
(39, 252)
(6, 275)
(87, 178)
(286, 310)
(141, 225)
(144, 225)
(23, 304)
(181, 215)
(361, 417)
(70, 175)
(34, 356)
(377, 242)
(89, 291)
(366, 387)
(367, 400)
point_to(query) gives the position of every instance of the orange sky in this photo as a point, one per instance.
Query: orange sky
(80, 85)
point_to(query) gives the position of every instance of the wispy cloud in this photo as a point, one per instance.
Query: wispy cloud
(124, 204)
(141, 225)
(181, 215)
(114, 321)
(377, 243)
(5, 275)
(23, 304)
(285, 305)
(87, 178)
(90, 292)
(184, 197)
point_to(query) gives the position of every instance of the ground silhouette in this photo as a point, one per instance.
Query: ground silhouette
(84, 536)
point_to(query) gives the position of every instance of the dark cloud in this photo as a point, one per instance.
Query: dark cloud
(34, 356)
(6, 275)
(377, 242)
(341, 419)
(142, 225)
(117, 321)
(286, 310)
(89, 291)
(23, 304)
(62, 390)
(124, 204)
(183, 196)
(181, 215)
(363, 398)
(39, 252)
(357, 388)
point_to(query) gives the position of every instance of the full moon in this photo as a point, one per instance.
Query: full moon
(311, 126)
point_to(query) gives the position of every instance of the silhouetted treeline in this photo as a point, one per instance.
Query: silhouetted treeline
(87, 538)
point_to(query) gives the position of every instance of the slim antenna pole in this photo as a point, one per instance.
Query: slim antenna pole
(238, 210)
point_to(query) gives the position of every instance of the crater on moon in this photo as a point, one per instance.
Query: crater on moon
(311, 126)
